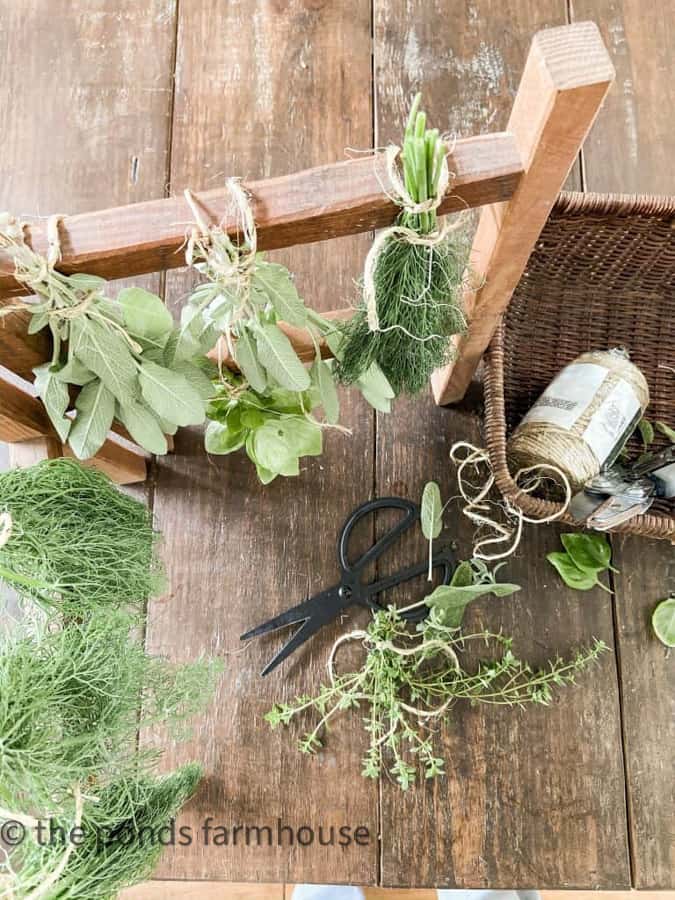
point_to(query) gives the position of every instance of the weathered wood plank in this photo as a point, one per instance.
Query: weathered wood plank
(533, 798)
(325, 202)
(630, 150)
(238, 552)
(566, 76)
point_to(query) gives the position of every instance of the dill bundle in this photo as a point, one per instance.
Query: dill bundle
(73, 541)
(413, 275)
(122, 839)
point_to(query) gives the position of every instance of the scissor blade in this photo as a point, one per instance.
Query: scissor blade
(306, 630)
(292, 616)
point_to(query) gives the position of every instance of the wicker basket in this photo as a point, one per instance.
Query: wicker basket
(601, 275)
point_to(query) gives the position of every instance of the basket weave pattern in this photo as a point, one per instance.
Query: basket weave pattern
(602, 275)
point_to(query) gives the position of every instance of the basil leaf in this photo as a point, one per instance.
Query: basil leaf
(265, 475)
(305, 438)
(107, 354)
(571, 574)
(452, 600)
(220, 439)
(143, 427)
(95, 407)
(666, 430)
(663, 622)
(589, 552)
(75, 372)
(322, 377)
(54, 395)
(279, 358)
(145, 314)
(246, 358)
(276, 283)
(170, 396)
(270, 448)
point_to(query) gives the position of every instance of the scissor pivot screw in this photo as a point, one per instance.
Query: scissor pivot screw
(344, 592)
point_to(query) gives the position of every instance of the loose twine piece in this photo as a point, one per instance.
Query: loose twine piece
(398, 193)
(478, 507)
(538, 441)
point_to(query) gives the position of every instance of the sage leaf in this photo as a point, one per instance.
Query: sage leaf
(170, 396)
(646, 430)
(375, 388)
(145, 315)
(571, 574)
(590, 552)
(143, 427)
(166, 426)
(663, 622)
(95, 407)
(38, 321)
(279, 358)
(107, 354)
(246, 357)
(451, 600)
(196, 378)
(219, 438)
(276, 283)
(54, 395)
(322, 377)
(666, 431)
(75, 372)
(431, 517)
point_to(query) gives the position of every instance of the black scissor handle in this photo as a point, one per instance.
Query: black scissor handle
(412, 513)
(445, 559)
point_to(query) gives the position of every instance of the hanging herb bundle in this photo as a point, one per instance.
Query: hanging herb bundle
(270, 409)
(69, 539)
(409, 682)
(124, 354)
(413, 275)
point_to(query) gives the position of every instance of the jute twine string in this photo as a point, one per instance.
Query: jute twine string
(538, 442)
(479, 509)
(398, 193)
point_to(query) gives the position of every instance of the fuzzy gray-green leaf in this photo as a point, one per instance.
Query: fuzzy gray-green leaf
(279, 358)
(322, 377)
(246, 355)
(106, 353)
(54, 395)
(142, 425)
(276, 283)
(95, 407)
(431, 514)
(145, 315)
(170, 396)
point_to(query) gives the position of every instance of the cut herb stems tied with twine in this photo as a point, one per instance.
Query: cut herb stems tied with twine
(124, 354)
(270, 409)
(414, 272)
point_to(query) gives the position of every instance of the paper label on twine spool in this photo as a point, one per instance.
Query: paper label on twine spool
(571, 393)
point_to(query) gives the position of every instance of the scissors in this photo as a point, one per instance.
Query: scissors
(351, 590)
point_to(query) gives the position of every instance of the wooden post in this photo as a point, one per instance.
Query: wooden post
(566, 77)
(23, 419)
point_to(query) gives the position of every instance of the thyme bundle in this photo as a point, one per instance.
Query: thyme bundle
(124, 354)
(409, 682)
(271, 409)
(413, 274)
(72, 541)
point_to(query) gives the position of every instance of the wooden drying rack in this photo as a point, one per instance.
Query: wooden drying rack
(514, 175)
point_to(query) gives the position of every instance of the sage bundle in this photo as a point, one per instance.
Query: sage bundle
(124, 354)
(271, 408)
(414, 272)
(70, 541)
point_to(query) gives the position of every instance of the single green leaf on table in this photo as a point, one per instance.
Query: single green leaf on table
(646, 430)
(95, 407)
(170, 396)
(54, 394)
(277, 284)
(143, 427)
(246, 356)
(590, 552)
(571, 574)
(145, 315)
(431, 517)
(279, 358)
(322, 378)
(666, 431)
(663, 622)
(451, 600)
(106, 353)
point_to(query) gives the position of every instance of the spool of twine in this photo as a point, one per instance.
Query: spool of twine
(562, 427)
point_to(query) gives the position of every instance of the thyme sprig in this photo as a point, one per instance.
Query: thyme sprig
(409, 681)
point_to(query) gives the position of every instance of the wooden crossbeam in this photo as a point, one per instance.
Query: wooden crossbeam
(314, 205)
(566, 77)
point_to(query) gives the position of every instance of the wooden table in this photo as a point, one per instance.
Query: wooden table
(110, 101)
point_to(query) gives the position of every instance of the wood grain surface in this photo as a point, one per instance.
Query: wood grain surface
(328, 201)
(238, 552)
(631, 149)
(534, 798)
